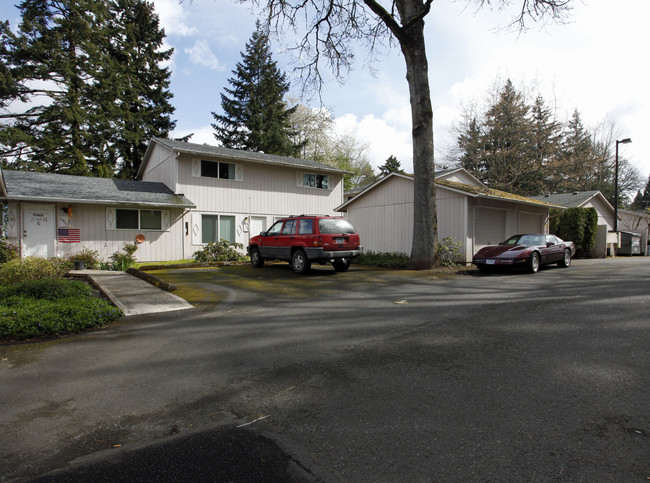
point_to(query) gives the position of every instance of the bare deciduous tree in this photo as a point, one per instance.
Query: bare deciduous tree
(329, 31)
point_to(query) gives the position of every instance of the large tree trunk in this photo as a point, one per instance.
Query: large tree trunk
(424, 250)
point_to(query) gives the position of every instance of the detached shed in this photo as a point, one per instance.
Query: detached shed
(630, 244)
(472, 214)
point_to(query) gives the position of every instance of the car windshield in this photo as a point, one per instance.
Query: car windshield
(335, 226)
(525, 240)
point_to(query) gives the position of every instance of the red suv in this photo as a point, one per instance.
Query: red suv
(304, 239)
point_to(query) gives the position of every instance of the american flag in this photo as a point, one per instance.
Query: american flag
(69, 235)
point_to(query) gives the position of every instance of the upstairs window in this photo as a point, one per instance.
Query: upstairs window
(315, 181)
(217, 169)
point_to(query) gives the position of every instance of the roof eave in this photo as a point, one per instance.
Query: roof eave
(98, 202)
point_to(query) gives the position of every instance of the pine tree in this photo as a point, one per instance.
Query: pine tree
(97, 64)
(255, 116)
(506, 140)
(392, 165)
(135, 88)
(546, 134)
(574, 170)
(470, 142)
(56, 50)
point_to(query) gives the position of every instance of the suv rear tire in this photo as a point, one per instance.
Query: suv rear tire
(341, 265)
(299, 262)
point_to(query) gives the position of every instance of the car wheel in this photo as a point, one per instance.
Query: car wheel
(256, 257)
(534, 263)
(341, 265)
(566, 261)
(299, 262)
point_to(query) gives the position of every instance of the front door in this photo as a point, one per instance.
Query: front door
(38, 230)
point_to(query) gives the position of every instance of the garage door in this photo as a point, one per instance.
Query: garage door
(490, 227)
(530, 223)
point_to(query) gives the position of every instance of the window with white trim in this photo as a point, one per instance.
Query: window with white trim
(138, 219)
(217, 227)
(311, 180)
(217, 169)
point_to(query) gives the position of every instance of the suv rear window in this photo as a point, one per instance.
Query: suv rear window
(334, 226)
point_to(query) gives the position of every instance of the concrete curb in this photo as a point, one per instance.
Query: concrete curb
(152, 279)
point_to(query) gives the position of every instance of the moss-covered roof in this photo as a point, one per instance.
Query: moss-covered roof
(486, 192)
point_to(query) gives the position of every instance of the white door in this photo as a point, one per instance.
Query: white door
(38, 230)
(258, 225)
(490, 227)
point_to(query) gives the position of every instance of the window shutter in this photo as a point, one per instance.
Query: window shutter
(195, 229)
(196, 168)
(299, 179)
(111, 218)
(12, 219)
(165, 220)
(239, 172)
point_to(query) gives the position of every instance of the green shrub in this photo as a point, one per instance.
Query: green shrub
(47, 288)
(32, 268)
(40, 308)
(23, 317)
(221, 251)
(122, 261)
(449, 252)
(577, 225)
(8, 251)
(86, 255)
(383, 259)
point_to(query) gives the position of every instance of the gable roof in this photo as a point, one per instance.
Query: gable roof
(63, 188)
(219, 152)
(469, 190)
(441, 174)
(574, 199)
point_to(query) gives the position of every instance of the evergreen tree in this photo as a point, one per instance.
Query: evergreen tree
(545, 141)
(575, 168)
(392, 165)
(470, 142)
(135, 88)
(255, 116)
(506, 140)
(96, 64)
(56, 53)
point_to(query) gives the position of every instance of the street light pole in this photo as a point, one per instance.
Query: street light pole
(622, 141)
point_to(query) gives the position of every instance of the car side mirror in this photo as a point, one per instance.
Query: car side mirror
(262, 233)
(549, 244)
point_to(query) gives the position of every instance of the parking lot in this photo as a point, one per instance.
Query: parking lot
(368, 375)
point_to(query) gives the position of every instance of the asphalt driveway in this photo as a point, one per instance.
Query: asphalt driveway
(369, 375)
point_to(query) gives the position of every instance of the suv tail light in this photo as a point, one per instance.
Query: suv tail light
(318, 241)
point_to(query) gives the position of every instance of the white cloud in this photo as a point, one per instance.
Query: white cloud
(382, 137)
(174, 17)
(201, 53)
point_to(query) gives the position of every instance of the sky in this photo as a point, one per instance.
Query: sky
(595, 62)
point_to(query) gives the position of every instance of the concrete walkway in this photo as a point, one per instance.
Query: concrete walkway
(132, 294)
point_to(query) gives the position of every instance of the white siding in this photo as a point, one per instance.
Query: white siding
(461, 176)
(162, 167)
(262, 191)
(384, 217)
(91, 219)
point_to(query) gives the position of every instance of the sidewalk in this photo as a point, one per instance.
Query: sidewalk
(131, 294)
